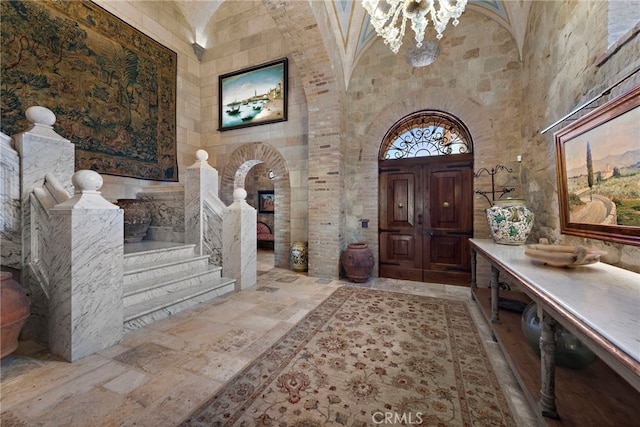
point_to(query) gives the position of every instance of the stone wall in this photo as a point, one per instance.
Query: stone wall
(565, 43)
(475, 78)
(243, 34)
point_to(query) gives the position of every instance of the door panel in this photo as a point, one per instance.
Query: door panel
(401, 203)
(426, 219)
(400, 239)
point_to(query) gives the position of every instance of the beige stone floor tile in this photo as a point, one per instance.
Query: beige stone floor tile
(157, 375)
(95, 407)
(216, 366)
(51, 376)
(174, 384)
(72, 391)
(126, 382)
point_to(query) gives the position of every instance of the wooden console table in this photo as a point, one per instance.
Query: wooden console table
(599, 304)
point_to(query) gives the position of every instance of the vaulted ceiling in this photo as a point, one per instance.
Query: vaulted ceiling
(351, 24)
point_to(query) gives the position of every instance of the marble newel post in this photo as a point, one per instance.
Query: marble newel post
(85, 308)
(240, 246)
(201, 179)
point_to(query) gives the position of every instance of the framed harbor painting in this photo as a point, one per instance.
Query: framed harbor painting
(598, 168)
(253, 96)
(111, 87)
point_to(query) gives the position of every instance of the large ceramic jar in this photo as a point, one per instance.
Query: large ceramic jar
(14, 310)
(510, 221)
(136, 219)
(357, 261)
(299, 256)
(570, 352)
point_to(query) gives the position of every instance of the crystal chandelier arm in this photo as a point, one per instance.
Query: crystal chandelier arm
(387, 15)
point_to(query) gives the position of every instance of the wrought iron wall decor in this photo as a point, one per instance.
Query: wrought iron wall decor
(112, 88)
(425, 133)
(494, 170)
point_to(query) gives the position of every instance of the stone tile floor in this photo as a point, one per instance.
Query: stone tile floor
(157, 375)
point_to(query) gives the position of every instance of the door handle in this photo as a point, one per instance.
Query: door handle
(445, 205)
(419, 218)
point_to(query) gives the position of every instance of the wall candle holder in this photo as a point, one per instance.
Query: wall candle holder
(494, 170)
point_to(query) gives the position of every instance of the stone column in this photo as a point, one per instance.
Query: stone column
(85, 308)
(200, 179)
(239, 245)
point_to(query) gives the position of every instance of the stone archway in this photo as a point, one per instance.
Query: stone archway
(234, 175)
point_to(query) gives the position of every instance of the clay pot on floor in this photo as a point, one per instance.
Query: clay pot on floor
(357, 262)
(136, 219)
(14, 310)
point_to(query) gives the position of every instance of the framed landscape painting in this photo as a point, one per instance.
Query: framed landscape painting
(598, 166)
(253, 96)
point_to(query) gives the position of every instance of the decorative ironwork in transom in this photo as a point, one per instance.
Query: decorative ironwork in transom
(426, 133)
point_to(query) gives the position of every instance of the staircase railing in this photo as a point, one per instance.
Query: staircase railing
(69, 241)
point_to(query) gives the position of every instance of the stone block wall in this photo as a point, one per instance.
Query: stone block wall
(243, 34)
(475, 79)
(563, 54)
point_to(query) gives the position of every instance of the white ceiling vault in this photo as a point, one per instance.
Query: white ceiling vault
(351, 23)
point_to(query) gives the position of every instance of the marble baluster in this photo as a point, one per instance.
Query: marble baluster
(42, 151)
(10, 248)
(200, 180)
(239, 255)
(86, 275)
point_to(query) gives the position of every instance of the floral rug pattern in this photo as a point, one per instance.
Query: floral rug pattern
(364, 358)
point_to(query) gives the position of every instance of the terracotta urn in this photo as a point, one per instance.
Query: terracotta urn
(14, 310)
(299, 256)
(136, 219)
(357, 261)
(510, 221)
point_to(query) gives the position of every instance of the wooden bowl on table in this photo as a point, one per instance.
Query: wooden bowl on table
(563, 256)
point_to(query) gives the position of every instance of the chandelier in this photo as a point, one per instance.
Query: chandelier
(389, 17)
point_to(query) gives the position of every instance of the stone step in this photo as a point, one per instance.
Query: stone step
(167, 304)
(161, 269)
(137, 292)
(145, 253)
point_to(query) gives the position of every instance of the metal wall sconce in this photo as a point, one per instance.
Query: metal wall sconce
(198, 50)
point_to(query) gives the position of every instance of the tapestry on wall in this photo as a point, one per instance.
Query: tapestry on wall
(112, 88)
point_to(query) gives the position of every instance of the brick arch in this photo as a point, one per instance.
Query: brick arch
(234, 174)
(459, 103)
(323, 86)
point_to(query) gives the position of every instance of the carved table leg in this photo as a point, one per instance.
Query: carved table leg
(495, 273)
(548, 365)
(474, 282)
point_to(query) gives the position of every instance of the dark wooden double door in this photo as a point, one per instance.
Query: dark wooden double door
(426, 219)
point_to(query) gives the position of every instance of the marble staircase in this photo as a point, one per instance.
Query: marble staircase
(161, 279)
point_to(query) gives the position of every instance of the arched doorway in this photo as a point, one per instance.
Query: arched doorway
(426, 199)
(242, 160)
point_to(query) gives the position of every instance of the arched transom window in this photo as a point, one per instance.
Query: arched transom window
(426, 133)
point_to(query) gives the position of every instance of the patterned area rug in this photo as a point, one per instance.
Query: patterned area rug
(366, 357)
